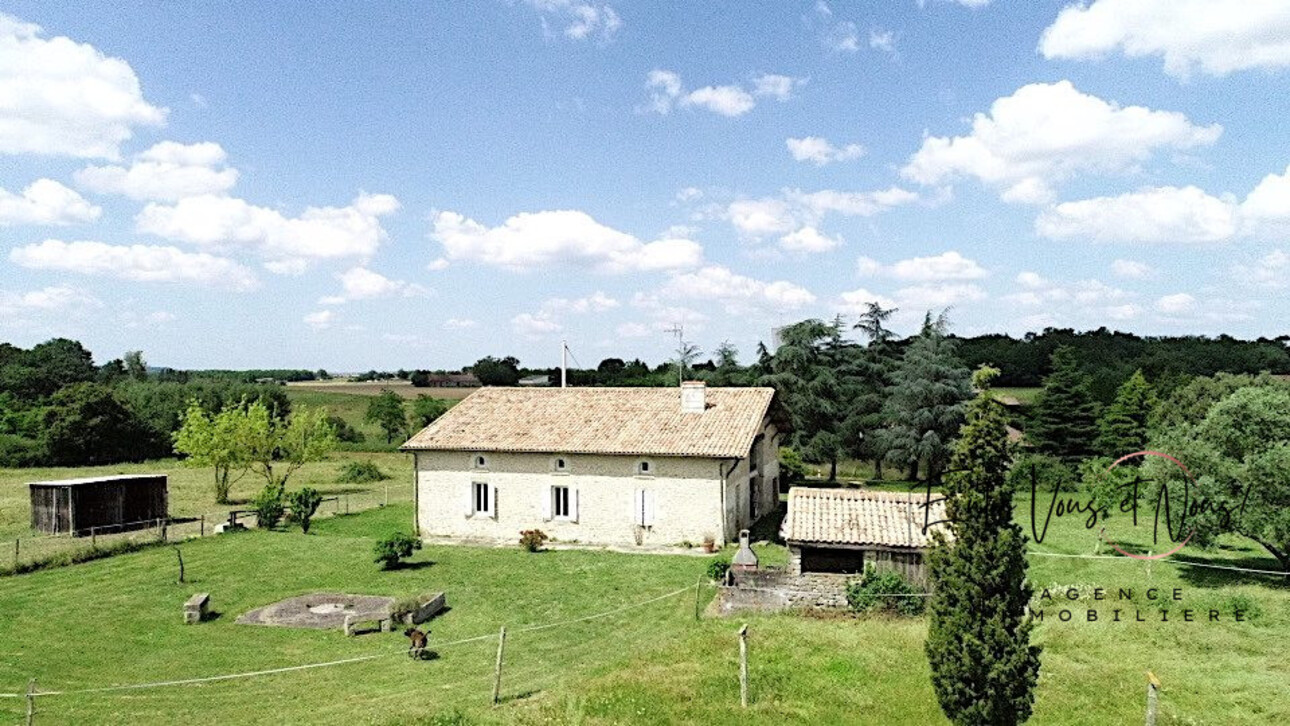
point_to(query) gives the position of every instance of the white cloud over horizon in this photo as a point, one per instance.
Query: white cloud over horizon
(46, 202)
(140, 263)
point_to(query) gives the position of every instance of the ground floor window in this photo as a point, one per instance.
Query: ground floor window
(561, 503)
(482, 498)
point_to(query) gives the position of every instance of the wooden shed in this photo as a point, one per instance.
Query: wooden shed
(842, 531)
(106, 503)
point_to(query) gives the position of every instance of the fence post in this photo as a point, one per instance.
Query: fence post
(94, 538)
(1153, 699)
(31, 702)
(743, 666)
(203, 526)
(497, 672)
(16, 549)
(346, 502)
(697, 584)
(387, 495)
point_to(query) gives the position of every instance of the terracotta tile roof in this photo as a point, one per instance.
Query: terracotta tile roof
(640, 421)
(861, 517)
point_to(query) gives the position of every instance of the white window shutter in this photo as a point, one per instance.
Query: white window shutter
(651, 510)
(547, 495)
(574, 504)
(638, 508)
(469, 499)
(492, 499)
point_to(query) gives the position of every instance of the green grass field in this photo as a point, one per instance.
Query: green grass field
(117, 621)
(1025, 395)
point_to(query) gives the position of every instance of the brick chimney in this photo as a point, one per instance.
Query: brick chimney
(694, 397)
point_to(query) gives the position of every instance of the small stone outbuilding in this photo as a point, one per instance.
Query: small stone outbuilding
(841, 531)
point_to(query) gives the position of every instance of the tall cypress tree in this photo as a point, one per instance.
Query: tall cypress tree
(1123, 427)
(1065, 417)
(924, 406)
(984, 669)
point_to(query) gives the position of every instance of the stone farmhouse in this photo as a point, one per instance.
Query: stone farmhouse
(637, 467)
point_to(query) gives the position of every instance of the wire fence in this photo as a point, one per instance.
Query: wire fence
(20, 554)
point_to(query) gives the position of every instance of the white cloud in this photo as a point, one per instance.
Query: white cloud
(809, 239)
(1175, 304)
(168, 172)
(1031, 280)
(776, 86)
(534, 326)
(320, 320)
(724, 100)
(761, 217)
(667, 92)
(1045, 133)
(821, 151)
(1162, 214)
(736, 293)
(360, 283)
(1173, 214)
(66, 98)
(45, 201)
(581, 20)
(946, 266)
(59, 299)
(842, 37)
(561, 237)
(597, 302)
(1272, 271)
(912, 301)
(142, 263)
(1215, 36)
(1131, 269)
(633, 330)
(857, 302)
(438, 263)
(850, 204)
(459, 323)
(883, 40)
(318, 233)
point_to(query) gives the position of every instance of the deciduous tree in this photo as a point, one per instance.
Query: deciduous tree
(386, 410)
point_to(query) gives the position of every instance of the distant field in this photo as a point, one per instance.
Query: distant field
(372, 388)
(1025, 395)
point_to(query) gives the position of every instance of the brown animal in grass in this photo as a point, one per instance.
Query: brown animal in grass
(419, 640)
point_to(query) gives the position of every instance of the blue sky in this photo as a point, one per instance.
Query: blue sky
(420, 184)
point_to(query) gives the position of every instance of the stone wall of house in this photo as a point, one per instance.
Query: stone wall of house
(687, 502)
(774, 590)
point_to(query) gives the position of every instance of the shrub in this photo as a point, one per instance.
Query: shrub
(718, 568)
(360, 472)
(303, 505)
(396, 547)
(792, 470)
(865, 593)
(268, 507)
(344, 432)
(532, 540)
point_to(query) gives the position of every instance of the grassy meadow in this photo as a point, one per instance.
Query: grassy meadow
(118, 621)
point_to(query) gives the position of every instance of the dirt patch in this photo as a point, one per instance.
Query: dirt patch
(321, 610)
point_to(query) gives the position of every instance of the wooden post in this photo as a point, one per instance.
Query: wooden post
(1153, 699)
(16, 548)
(94, 538)
(165, 525)
(697, 584)
(203, 526)
(743, 666)
(497, 672)
(180, 555)
(346, 502)
(387, 495)
(31, 702)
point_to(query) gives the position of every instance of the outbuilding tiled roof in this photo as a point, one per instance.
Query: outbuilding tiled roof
(639, 421)
(860, 517)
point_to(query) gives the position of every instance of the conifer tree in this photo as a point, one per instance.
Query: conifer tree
(1065, 417)
(984, 669)
(1123, 427)
(924, 406)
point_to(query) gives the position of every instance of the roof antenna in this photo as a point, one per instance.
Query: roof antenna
(679, 331)
(564, 363)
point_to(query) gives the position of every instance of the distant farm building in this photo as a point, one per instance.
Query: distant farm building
(105, 504)
(649, 467)
(452, 380)
(535, 381)
(844, 530)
